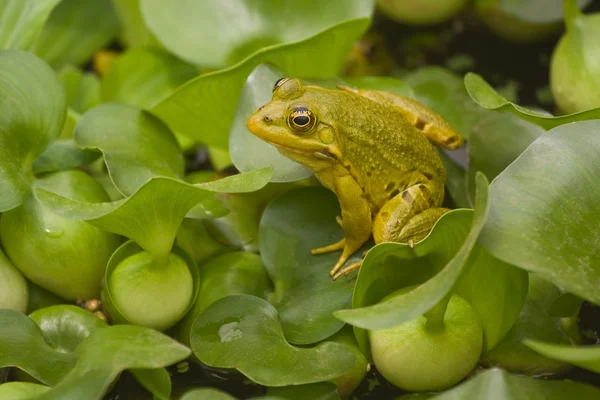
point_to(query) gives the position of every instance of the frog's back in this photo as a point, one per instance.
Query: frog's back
(383, 151)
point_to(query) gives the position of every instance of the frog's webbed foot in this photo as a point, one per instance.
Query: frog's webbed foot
(328, 249)
(347, 270)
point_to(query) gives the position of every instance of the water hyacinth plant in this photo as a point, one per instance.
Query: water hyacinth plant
(153, 247)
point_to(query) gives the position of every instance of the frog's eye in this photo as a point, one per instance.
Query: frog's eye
(301, 120)
(279, 82)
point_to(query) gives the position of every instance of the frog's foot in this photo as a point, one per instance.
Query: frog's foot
(347, 270)
(338, 219)
(328, 249)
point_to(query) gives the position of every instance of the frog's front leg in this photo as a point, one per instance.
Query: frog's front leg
(356, 220)
(436, 128)
(407, 217)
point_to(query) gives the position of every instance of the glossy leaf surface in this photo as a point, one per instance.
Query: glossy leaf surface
(32, 112)
(543, 210)
(305, 295)
(22, 21)
(243, 332)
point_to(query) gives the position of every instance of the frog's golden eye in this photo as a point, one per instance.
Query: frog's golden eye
(279, 82)
(301, 120)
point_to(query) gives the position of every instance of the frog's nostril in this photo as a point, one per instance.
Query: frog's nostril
(266, 118)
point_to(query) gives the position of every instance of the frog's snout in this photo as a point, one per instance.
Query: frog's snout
(258, 121)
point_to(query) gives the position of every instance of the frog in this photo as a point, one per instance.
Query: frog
(374, 149)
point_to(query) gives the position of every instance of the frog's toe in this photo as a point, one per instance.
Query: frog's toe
(328, 249)
(347, 270)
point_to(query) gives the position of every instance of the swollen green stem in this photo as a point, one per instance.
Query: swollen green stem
(435, 316)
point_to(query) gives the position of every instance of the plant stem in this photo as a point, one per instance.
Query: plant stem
(435, 316)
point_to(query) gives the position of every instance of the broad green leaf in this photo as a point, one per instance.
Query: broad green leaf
(497, 384)
(258, 25)
(41, 298)
(21, 390)
(390, 266)
(313, 391)
(64, 327)
(535, 11)
(243, 332)
(215, 394)
(496, 142)
(248, 152)
(70, 38)
(14, 294)
(587, 357)
(210, 100)
(153, 231)
(21, 21)
(347, 384)
(107, 352)
(120, 131)
(456, 180)
(496, 290)
(444, 92)
(32, 112)
(62, 155)
(53, 251)
(566, 305)
(305, 295)
(134, 31)
(487, 97)
(157, 381)
(23, 346)
(145, 76)
(227, 274)
(534, 322)
(82, 88)
(543, 210)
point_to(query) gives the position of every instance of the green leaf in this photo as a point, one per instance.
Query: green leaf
(243, 332)
(587, 357)
(456, 181)
(64, 327)
(536, 11)
(21, 390)
(120, 130)
(109, 351)
(145, 76)
(206, 394)
(32, 112)
(69, 38)
(496, 290)
(443, 91)
(544, 207)
(62, 155)
(314, 391)
(390, 266)
(22, 345)
(305, 295)
(259, 25)
(249, 152)
(487, 97)
(157, 381)
(172, 199)
(227, 274)
(22, 22)
(534, 322)
(82, 88)
(211, 99)
(134, 31)
(13, 286)
(496, 142)
(496, 384)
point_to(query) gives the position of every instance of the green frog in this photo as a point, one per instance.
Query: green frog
(373, 149)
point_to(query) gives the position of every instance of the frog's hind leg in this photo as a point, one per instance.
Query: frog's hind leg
(437, 130)
(407, 217)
